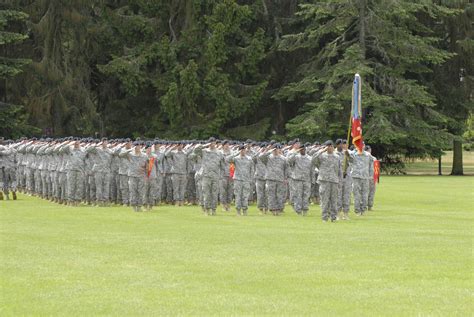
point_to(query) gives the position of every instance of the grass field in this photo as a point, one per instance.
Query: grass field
(430, 167)
(411, 256)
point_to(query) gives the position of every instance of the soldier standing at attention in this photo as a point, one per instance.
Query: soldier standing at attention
(362, 168)
(136, 174)
(300, 189)
(260, 181)
(276, 176)
(7, 171)
(213, 165)
(178, 160)
(345, 185)
(123, 171)
(330, 173)
(102, 162)
(151, 173)
(226, 183)
(244, 169)
(160, 172)
(370, 199)
(75, 172)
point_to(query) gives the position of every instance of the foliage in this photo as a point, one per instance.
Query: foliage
(247, 69)
(391, 47)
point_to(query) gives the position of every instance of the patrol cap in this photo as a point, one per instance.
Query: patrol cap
(339, 141)
(277, 146)
(329, 143)
(212, 139)
(367, 147)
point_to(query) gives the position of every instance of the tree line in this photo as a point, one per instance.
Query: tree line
(241, 69)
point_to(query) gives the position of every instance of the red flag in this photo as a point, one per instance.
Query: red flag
(356, 131)
(376, 171)
(151, 162)
(231, 170)
(356, 134)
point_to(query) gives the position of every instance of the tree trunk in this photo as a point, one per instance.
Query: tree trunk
(457, 158)
(362, 17)
(440, 171)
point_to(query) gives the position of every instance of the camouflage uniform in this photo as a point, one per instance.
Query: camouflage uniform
(362, 167)
(212, 168)
(300, 189)
(75, 173)
(344, 188)
(260, 182)
(276, 176)
(244, 169)
(330, 173)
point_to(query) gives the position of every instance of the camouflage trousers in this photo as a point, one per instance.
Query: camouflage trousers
(102, 186)
(262, 201)
(210, 191)
(167, 188)
(8, 179)
(328, 194)
(226, 190)
(344, 194)
(21, 176)
(114, 189)
(30, 180)
(276, 193)
(360, 189)
(179, 186)
(38, 184)
(150, 190)
(75, 186)
(190, 194)
(124, 188)
(159, 188)
(136, 190)
(370, 199)
(61, 186)
(198, 183)
(46, 185)
(242, 193)
(300, 193)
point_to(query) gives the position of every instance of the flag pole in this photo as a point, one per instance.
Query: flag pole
(345, 162)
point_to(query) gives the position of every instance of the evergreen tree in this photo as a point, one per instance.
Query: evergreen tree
(13, 119)
(385, 42)
(453, 82)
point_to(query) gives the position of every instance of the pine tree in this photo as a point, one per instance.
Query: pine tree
(453, 82)
(391, 48)
(13, 119)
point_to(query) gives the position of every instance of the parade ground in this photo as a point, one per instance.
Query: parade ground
(411, 255)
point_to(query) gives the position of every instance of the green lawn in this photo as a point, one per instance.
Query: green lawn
(411, 256)
(430, 167)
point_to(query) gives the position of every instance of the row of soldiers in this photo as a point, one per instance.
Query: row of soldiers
(142, 174)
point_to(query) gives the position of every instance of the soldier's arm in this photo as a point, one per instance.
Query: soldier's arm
(197, 150)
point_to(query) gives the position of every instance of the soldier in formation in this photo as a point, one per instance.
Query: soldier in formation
(143, 174)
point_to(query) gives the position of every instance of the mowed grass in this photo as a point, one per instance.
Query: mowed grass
(412, 255)
(430, 167)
